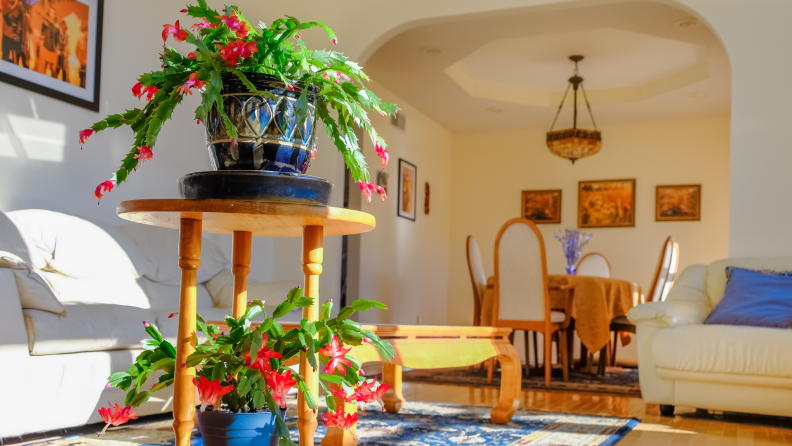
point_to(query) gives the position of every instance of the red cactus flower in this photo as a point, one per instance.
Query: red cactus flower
(236, 49)
(365, 394)
(171, 315)
(382, 153)
(179, 34)
(262, 357)
(184, 11)
(335, 41)
(240, 28)
(205, 24)
(136, 90)
(150, 91)
(336, 353)
(210, 392)
(191, 82)
(84, 135)
(280, 383)
(367, 189)
(144, 154)
(339, 392)
(191, 55)
(341, 420)
(106, 186)
(120, 416)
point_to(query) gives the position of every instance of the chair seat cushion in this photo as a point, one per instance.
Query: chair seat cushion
(725, 349)
(86, 328)
(621, 320)
(557, 317)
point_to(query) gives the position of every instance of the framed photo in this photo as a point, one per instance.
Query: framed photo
(542, 206)
(408, 180)
(382, 180)
(678, 203)
(53, 47)
(606, 204)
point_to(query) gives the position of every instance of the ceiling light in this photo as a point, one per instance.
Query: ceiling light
(574, 143)
(431, 50)
(687, 23)
(494, 109)
(697, 94)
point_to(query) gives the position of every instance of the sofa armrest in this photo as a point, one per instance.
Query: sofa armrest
(13, 335)
(687, 302)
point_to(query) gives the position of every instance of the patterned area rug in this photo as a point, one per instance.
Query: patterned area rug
(418, 424)
(617, 381)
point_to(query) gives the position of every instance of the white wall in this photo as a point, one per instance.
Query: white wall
(490, 169)
(404, 263)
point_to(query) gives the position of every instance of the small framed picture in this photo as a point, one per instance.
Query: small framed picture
(408, 177)
(678, 203)
(606, 204)
(382, 180)
(542, 206)
(53, 47)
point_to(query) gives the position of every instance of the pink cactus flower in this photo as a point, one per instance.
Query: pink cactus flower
(144, 154)
(179, 34)
(84, 135)
(120, 416)
(106, 186)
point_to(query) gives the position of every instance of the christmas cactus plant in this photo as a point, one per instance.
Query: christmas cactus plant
(226, 42)
(242, 371)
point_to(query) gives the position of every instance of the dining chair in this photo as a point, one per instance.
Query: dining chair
(593, 264)
(477, 278)
(665, 272)
(522, 293)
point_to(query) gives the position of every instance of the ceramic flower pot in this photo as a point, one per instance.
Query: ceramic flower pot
(238, 429)
(268, 160)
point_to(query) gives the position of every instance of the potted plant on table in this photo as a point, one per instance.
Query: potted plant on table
(239, 394)
(262, 91)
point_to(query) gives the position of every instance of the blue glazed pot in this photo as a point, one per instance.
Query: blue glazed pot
(238, 429)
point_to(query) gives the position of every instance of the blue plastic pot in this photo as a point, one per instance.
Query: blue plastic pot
(238, 429)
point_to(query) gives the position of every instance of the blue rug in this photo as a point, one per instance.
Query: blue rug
(424, 424)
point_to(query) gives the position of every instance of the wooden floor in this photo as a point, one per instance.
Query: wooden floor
(688, 427)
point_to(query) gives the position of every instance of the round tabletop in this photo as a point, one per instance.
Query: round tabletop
(261, 219)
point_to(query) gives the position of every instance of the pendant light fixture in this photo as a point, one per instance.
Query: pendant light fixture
(574, 143)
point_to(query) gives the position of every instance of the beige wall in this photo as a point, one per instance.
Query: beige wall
(491, 169)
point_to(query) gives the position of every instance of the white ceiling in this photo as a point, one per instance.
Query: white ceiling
(511, 70)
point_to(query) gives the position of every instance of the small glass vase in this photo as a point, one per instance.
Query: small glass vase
(572, 242)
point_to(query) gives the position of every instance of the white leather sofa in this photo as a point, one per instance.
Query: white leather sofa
(681, 361)
(53, 369)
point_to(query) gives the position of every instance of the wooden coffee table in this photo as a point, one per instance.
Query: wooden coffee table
(416, 346)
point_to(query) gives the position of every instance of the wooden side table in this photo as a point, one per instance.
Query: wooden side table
(244, 220)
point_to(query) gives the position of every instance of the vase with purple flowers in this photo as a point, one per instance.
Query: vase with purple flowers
(572, 242)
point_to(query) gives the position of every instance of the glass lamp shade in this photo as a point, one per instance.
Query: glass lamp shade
(574, 144)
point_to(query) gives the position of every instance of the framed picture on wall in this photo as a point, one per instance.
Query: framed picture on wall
(541, 206)
(53, 47)
(678, 203)
(606, 204)
(408, 177)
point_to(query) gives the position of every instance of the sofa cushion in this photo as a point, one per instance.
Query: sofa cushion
(221, 288)
(167, 296)
(161, 246)
(83, 261)
(33, 291)
(11, 240)
(88, 327)
(755, 299)
(716, 272)
(725, 349)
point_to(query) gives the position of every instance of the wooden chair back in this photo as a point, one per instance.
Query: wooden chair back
(477, 277)
(593, 264)
(521, 284)
(666, 271)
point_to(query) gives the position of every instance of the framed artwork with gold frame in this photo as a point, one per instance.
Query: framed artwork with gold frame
(606, 204)
(541, 206)
(678, 203)
(408, 190)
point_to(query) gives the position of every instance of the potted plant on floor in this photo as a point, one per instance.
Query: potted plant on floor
(242, 396)
(262, 91)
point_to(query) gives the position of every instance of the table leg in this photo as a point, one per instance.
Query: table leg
(184, 389)
(241, 269)
(338, 437)
(511, 383)
(393, 398)
(312, 268)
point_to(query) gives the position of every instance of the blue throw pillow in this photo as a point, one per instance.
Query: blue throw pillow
(755, 299)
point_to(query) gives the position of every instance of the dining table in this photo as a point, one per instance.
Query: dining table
(596, 301)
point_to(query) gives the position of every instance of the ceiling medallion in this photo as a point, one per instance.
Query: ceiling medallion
(574, 143)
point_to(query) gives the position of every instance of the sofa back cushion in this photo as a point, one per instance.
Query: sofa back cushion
(33, 290)
(161, 247)
(754, 299)
(11, 240)
(716, 273)
(83, 261)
